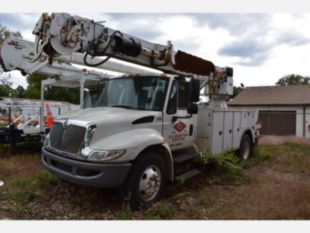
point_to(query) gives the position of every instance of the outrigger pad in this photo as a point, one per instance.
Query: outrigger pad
(192, 64)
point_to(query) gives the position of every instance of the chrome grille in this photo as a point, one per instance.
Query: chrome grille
(68, 139)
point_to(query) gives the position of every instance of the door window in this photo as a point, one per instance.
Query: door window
(179, 96)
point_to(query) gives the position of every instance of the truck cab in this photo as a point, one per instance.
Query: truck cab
(124, 121)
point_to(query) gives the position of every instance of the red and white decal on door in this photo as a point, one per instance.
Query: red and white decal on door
(178, 136)
(180, 126)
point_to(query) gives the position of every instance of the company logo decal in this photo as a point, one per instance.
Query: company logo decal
(180, 126)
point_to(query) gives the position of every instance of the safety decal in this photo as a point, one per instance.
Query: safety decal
(180, 126)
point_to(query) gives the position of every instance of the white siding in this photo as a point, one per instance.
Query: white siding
(299, 116)
(307, 122)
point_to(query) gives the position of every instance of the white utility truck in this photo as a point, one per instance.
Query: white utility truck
(137, 128)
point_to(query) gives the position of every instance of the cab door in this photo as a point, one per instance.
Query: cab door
(179, 127)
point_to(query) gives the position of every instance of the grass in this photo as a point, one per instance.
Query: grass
(273, 185)
(26, 189)
(31, 147)
(222, 168)
(125, 213)
(161, 210)
(2, 125)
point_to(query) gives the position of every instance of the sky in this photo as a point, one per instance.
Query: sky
(261, 47)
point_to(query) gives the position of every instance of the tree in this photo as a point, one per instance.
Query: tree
(5, 85)
(20, 92)
(71, 95)
(51, 93)
(293, 79)
(237, 90)
(34, 85)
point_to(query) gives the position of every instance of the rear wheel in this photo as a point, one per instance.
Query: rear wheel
(146, 181)
(246, 147)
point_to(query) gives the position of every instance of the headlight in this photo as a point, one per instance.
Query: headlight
(105, 155)
(46, 140)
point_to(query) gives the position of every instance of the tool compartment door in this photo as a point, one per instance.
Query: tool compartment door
(236, 129)
(217, 132)
(228, 130)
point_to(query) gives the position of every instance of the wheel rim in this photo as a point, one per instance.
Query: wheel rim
(245, 150)
(150, 183)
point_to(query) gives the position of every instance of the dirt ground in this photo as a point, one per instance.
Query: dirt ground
(278, 140)
(275, 184)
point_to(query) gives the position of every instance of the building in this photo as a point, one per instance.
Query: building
(282, 110)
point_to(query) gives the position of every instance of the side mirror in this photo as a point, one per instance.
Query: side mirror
(192, 108)
(194, 86)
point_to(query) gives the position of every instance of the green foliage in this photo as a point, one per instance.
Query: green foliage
(34, 85)
(125, 213)
(293, 79)
(63, 94)
(166, 211)
(27, 147)
(5, 85)
(161, 210)
(263, 153)
(45, 178)
(228, 162)
(20, 92)
(33, 90)
(51, 93)
(23, 189)
(5, 90)
(238, 89)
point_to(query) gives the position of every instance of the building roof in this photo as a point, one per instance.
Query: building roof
(273, 95)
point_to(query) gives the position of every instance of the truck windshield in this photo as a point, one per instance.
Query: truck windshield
(142, 93)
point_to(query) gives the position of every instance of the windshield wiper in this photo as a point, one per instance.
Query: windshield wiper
(122, 106)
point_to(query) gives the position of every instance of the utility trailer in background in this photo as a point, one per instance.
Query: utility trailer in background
(20, 119)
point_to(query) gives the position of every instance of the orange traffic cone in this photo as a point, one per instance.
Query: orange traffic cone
(50, 119)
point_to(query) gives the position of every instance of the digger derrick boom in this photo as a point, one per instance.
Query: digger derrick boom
(62, 34)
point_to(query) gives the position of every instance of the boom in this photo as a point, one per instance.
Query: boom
(63, 34)
(19, 54)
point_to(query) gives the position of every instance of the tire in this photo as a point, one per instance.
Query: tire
(245, 151)
(148, 170)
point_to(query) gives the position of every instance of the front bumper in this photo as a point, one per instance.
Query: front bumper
(85, 173)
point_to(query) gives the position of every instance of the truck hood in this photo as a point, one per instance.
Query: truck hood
(112, 121)
(108, 115)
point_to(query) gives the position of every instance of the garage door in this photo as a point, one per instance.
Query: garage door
(278, 122)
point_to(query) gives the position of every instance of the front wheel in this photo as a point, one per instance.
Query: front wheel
(246, 147)
(146, 181)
